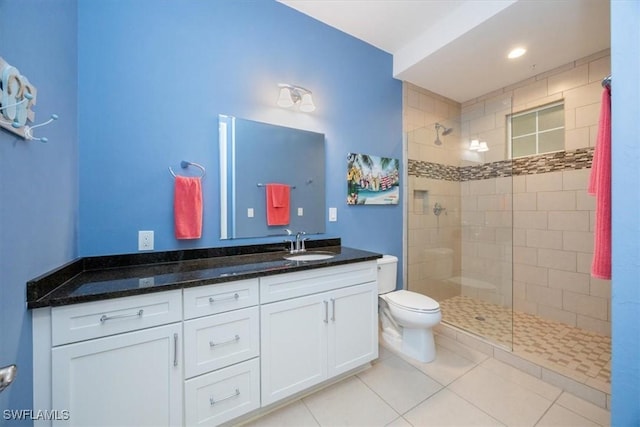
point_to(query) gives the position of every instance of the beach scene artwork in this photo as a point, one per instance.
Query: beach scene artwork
(372, 180)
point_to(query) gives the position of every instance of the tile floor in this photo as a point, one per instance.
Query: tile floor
(462, 387)
(581, 355)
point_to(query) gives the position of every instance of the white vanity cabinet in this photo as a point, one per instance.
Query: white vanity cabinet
(221, 348)
(118, 362)
(203, 355)
(327, 328)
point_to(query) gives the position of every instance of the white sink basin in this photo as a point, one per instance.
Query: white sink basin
(310, 256)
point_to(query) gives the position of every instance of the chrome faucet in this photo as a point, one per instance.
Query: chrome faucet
(297, 245)
(300, 241)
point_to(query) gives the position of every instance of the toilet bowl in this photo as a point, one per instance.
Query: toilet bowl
(406, 317)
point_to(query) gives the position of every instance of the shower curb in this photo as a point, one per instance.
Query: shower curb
(584, 391)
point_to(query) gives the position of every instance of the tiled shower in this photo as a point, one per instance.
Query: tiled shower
(505, 245)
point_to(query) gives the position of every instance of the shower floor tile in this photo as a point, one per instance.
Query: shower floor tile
(582, 355)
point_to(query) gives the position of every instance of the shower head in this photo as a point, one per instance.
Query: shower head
(445, 132)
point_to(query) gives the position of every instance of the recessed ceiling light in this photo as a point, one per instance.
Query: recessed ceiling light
(517, 53)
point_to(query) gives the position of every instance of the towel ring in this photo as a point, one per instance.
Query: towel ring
(184, 164)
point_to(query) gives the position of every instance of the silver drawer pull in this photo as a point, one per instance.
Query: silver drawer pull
(215, 344)
(104, 317)
(231, 396)
(235, 297)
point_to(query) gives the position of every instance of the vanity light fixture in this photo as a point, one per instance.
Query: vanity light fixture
(291, 95)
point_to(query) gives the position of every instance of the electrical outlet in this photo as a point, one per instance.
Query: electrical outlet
(145, 240)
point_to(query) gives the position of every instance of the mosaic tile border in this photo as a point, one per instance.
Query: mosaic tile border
(544, 163)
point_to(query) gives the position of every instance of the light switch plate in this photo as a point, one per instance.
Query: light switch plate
(300, 211)
(249, 212)
(333, 214)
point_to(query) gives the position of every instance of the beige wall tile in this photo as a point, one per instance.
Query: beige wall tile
(525, 202)
(558, 315)
(600, 288)
(583, 96)
(569, 79)
(567, 280)
(599, 69)
(576, 179)
(568, 220)
(544, 296)
(584, 262)
(557, 201)
(484, 186)
(600, 326)
(544, 239)
(577, 138)
(544, 182)
(530, 274)
(579, 241)
(529, 93)
(560, 260)
(530, 219)
(585, 201)
(587, 115)
(586, 305)
(524, 255)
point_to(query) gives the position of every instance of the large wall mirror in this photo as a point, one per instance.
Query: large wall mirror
(253, 154)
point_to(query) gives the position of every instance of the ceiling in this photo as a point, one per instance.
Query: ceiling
(458, 48)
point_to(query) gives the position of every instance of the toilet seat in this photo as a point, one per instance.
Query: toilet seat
(413, 301)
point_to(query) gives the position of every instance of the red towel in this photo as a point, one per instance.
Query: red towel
(278, 196)
(600, 186)
(187, 207)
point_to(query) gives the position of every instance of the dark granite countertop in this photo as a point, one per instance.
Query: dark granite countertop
(99, 278)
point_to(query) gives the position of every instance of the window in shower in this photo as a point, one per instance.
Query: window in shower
(536, 131)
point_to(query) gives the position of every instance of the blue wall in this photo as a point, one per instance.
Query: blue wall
(38, 182)
(153, 80)
(625, 304)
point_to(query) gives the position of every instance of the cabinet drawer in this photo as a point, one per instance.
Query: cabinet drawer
(78, 322)
(222, 395)
(217, 341)
(212, 299)
(291, 285)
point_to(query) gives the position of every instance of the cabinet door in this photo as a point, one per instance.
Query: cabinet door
(293, 346)
(353, 327)
(132, 379)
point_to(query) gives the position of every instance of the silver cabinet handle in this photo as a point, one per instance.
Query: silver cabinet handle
(212, 401)
(235, 297)
(104, 317)
(333, 309)
(234, 339)
(326, 312)
(175, 349)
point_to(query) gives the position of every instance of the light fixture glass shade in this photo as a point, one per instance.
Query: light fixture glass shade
(285, 100)
(306, 105)
(474, 145)
(483, 147)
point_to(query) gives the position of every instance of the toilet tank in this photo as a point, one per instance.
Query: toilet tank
(387, 273)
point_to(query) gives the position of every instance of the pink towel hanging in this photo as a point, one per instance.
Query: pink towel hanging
(187, 207)
(278, 204)
(600, 186)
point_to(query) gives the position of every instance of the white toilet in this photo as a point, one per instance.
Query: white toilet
(407, 317)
